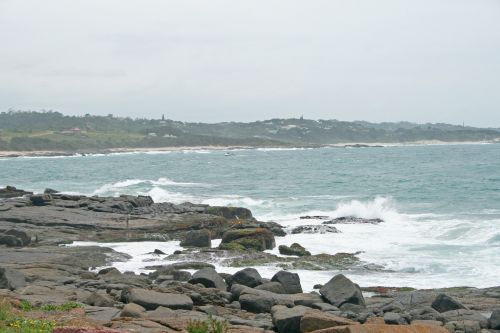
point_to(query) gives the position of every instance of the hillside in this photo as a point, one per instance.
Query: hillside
(28, 131)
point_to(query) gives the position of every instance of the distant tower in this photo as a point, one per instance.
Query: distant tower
(163, 117)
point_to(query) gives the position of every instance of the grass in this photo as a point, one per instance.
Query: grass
(210, 325)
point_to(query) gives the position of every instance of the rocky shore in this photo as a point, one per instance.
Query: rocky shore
(36, 268)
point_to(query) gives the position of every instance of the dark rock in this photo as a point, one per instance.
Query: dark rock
(197, 238)
(109, 271)
(287, 320)
(11, 279)
(444, 303)
(494, 321)
(151, 300)
(318, 286)
(314, 217)
(340, 290)
(22, 236)
(289, 281)
(41, 199)
(294, 250)
(249, 277)
(353, 220)
(50, 191)
(315, 229)
(11, 241)
(260, 303)
(274, 287)
(209, 278)
(159, 252)
(258, 239)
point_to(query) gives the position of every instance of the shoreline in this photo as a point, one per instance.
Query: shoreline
(124, 150)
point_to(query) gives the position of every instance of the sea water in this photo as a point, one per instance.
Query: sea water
(440, 203)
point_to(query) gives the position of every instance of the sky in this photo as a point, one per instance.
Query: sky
(227, 60)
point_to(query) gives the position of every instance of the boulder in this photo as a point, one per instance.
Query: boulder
(209, 278)
(151, 300)
(231, 213)
(340, 290)
(294, 250)
(315, 320)
(132, 310)
(258, 239)
(12, 192)
(197, 238)
(97, 299)
(382, 328)
(249, 277)
(181, 276)
(494, 321)
(289, 281)
(462, 314)
(287, 320)
(41, 199)
(10, 241)
(257, 303)
(315, 229)
(467, 326)
(11, 279)
(22, 236)
(444, 303)
(274, 287)
(394, 318)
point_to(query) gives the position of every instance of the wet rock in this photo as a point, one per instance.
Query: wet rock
(151, 300)
(50, 191)
(315, 229)
(289, 281)
(313, 320)
(197, 238)
(258, 239)
(249, 277)
(287, 320)
(209, 278)
(11, 279)
(353, 220)
(340, 290)
(294, 250)
(158, 252)
(444, 303)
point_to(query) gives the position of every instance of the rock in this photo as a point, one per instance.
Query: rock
(287, 320)
(132, 310)
(158, 252)
(462, 314)
(151, 300)
(249, 277)
(84, 330)
(50, 191)
(427, 322)
(315, 229)
(353, 220)
(289, 281)
(494, 321)
(467, 326)
(393, 318)
(382, 328)
(97, 299)
(181, 276)
(274, 287)
(315, 320)
(294, 250)
(324, 306)
(11, 279)
(258, 239)
(340, 290)
(22, 236)
(11, 241)
(109, 271)
(238, 213)
(12, 192)
(41, 199)
(259, 303)
(197, 238)
(209, 278)
(444, 303)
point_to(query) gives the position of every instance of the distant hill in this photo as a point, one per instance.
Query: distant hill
(27, 130)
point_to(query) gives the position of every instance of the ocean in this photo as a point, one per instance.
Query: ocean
(440, 203)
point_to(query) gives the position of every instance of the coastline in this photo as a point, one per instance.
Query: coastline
(61, 153)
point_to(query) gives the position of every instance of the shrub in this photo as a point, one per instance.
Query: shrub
(210, 325)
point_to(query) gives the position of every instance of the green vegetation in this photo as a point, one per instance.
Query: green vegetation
(210, 325)
(27, 318)
(48, 130)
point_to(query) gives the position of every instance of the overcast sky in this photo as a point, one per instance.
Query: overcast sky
(221, 60)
